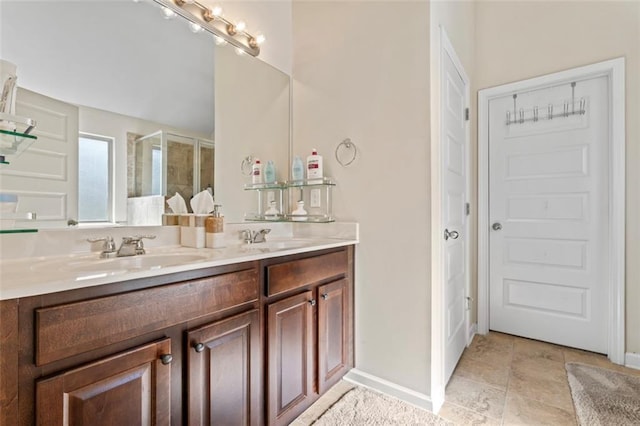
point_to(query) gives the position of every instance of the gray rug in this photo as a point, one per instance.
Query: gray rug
(604, 397)
(361, 406)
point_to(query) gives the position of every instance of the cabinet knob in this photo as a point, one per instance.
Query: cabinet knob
(312, 302)
(199, 347)
(166, 359)
(325, 296)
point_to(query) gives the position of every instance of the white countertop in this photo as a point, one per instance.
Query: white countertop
(49, 274)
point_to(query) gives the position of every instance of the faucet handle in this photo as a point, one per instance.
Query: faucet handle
(109, 245)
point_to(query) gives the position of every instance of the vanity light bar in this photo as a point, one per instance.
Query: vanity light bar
(210, 19)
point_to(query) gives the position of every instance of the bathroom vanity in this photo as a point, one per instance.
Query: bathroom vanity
(252, 339)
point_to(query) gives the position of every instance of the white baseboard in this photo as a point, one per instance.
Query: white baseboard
(632, 360)
(473, 330)
(386, 387)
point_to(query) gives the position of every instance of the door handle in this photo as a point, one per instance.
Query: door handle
(496, 226)
(451, 234)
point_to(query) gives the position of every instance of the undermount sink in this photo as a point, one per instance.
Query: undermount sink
(124, 264)
(275, 245)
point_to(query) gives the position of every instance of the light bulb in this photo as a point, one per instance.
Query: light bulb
(219, 40)
(216, 11)
(168, 13)
(195, 28)
(241, 26)
(260, 38)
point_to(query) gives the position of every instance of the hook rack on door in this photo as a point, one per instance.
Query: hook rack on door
(521, 116)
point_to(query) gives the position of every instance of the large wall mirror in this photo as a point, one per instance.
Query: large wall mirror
(168, 109)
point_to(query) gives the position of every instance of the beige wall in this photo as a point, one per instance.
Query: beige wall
(252, 118)
(361, 70)
(272, 18)
(519, 40)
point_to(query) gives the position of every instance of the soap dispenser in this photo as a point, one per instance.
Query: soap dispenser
(214, 226)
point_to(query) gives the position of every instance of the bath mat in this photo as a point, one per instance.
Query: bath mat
(604, 397)
(361, 406)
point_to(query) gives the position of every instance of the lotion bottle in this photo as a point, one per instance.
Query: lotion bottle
(297, 169)
(256, 172)
(270, 172)
(314, 167)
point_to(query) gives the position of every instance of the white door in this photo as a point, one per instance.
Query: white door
(45, 176)
(548, 210)
(454, 173)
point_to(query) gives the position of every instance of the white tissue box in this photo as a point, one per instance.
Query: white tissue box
(192, 231)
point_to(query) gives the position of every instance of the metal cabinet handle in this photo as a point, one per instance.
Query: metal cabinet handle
(199, 347)
(325, 296)
(496, 226)
(312, 302)
(166, 359)
(451, 234)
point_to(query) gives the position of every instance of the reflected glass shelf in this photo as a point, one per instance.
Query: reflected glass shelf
(14, 143)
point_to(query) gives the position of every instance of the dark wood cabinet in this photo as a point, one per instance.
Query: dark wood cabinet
(225, 372)
(310, 330)
(291, 357)
(251, 343)
(133, 387)
(333, 333)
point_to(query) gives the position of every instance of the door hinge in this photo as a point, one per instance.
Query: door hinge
(467, 209)
(466, 114)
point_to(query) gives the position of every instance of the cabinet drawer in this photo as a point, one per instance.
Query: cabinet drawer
(298, 273)
(66, 330)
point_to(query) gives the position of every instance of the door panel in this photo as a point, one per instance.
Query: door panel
(332, 334)
(454, 213)
(130, 388)
(291, 357)
(548, 188)
(224, 370)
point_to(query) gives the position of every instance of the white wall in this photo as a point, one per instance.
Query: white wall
(520, 40)
(361, 70)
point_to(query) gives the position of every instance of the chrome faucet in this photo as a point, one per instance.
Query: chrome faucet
(108, 248)
(251, 237)
(132, 246)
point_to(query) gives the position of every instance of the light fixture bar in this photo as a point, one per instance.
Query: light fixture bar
(202, 15)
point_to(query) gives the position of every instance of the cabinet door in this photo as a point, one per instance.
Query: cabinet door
(224, 370)
(333, 333)
(291, 357)
(126, 389)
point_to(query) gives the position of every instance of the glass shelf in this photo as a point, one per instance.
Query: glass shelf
(325, 181)
(14, 143)
(264, 186)
(316, 194)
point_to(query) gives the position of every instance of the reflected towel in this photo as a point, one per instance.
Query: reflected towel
(177, 204)
(202, 203)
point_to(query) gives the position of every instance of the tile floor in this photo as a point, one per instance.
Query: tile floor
(501, 380)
